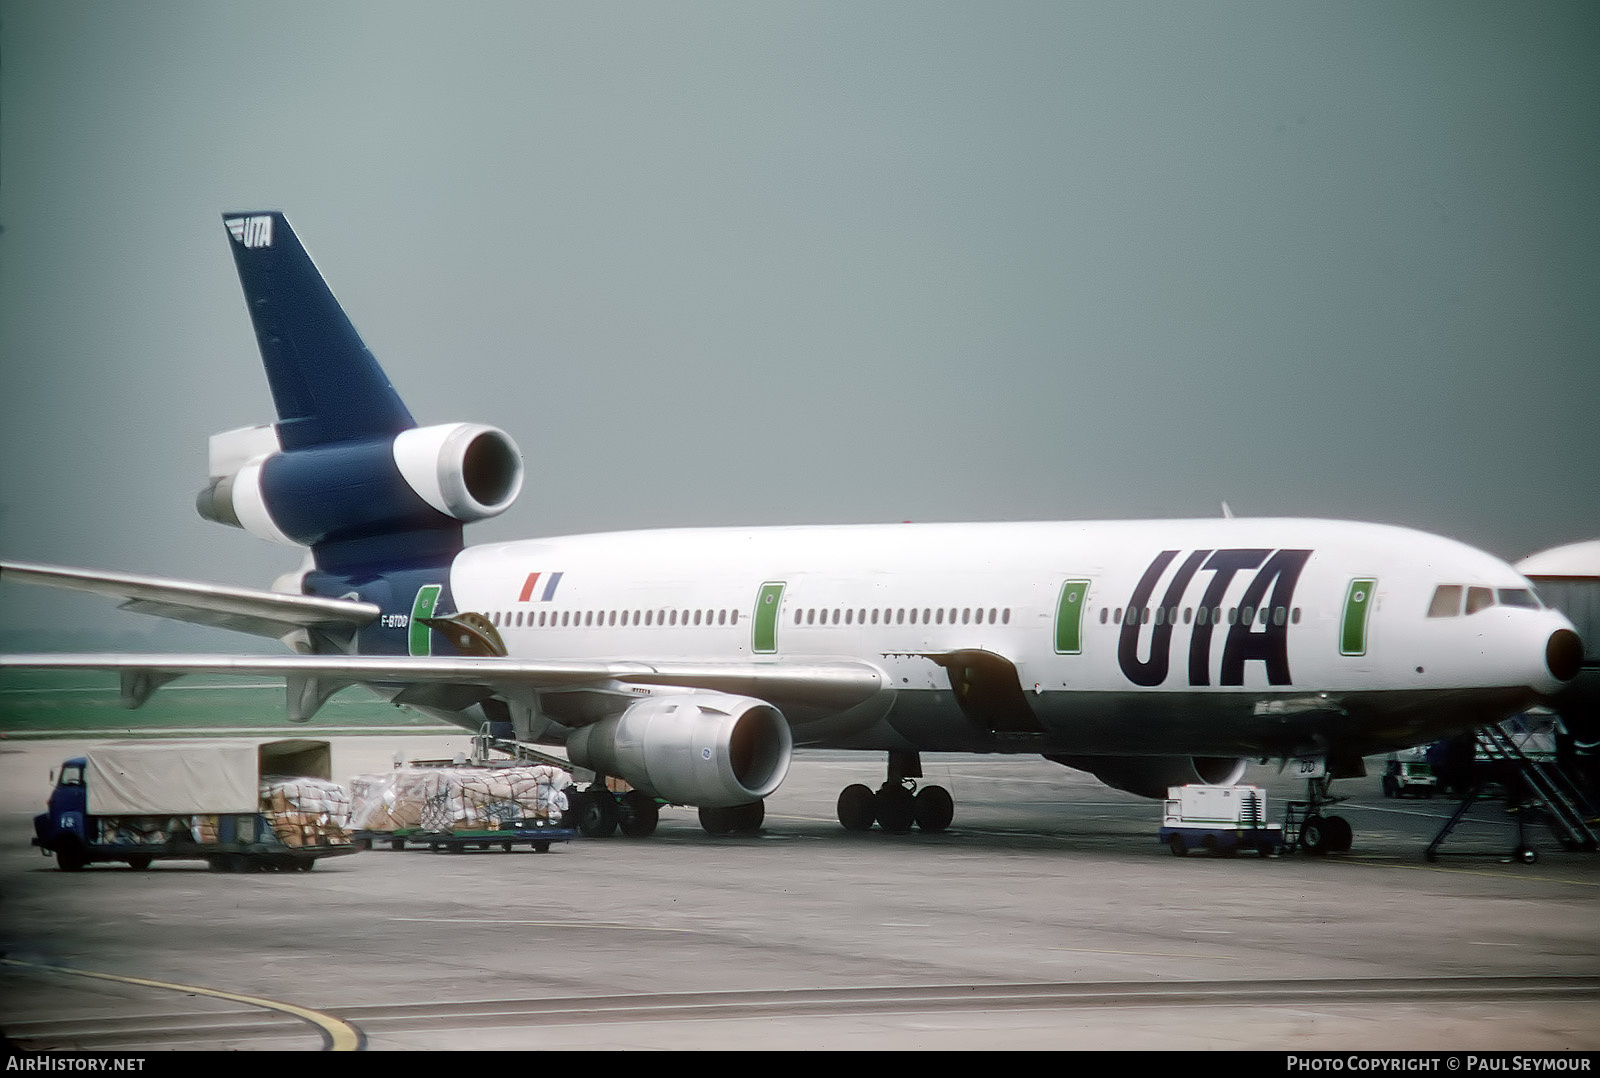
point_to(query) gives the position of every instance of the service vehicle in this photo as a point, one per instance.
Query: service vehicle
(1409, 774)
(239, 804)
(1219, 819)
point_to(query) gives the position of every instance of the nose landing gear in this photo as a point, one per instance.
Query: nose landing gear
(1315, 832)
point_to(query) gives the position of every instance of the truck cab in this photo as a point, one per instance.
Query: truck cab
(63, 829)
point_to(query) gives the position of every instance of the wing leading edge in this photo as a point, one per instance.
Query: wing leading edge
(313, 679)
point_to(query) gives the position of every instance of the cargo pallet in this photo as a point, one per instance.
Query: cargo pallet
(537, 836)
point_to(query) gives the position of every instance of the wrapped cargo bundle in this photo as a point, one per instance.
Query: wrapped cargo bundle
(305, 811)
(139, 830)
(203, 829)
(156, 830)
(457, 798)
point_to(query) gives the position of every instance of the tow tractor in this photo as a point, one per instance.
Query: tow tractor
(1219, 819)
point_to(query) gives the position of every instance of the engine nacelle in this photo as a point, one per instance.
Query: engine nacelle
(1149, 776)
(424, 478)
(467, 471)
(698, 748)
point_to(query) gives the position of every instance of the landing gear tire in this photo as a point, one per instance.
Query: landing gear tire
(716, 821)
(895, 808)
(1391, 789)
(934, 808)
(1526, 854)
(749, 818)
(1338, 833)
(856, 808)
(596, 813)
(638, 814)
(1314, 835)
(738, 819)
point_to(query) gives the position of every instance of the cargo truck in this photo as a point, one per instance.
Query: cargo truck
(241, 805)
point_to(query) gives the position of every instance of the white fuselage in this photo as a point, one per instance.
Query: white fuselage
(1126, 636)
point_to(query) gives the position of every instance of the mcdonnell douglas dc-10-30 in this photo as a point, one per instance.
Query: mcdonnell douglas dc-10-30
(690, 662)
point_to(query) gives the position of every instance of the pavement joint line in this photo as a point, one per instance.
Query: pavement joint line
(1491, 873)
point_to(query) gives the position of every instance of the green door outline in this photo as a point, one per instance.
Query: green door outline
(421, 636)
(1069, 617)
(1357, 606)
(764, 626)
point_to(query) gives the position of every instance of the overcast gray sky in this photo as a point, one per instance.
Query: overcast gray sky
(813, 262)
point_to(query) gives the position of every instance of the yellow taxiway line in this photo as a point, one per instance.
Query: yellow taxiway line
(337, 1036)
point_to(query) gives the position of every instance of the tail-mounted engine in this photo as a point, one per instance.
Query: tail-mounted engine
(698, 748)
(423, 479)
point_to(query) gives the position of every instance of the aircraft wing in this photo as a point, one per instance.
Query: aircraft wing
(263, 613)
(312, 679)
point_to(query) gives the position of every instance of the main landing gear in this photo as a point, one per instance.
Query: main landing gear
(597, 812)
(735, 820)
(897, 804)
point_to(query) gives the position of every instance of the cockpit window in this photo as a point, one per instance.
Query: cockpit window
(1446, 601)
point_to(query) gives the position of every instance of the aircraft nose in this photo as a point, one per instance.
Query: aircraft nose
(1563, 654)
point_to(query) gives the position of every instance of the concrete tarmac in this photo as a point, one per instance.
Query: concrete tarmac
(1046, 876)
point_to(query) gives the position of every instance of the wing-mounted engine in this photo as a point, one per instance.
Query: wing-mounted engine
(697, 748)
(1149, 776)
(425, 479)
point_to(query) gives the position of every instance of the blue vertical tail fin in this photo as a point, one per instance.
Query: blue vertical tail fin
(327, 386)
(346, 471)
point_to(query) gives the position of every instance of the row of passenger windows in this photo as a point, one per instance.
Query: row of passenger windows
(1205, 615)
(606, 618)
(901, 616)
(1447, 599)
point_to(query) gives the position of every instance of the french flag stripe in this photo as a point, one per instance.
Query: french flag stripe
(527, 588)
(549, 588)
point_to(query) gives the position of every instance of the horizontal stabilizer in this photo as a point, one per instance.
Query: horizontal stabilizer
(262, 613)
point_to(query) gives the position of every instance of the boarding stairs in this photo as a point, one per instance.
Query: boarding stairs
(1534, 785)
